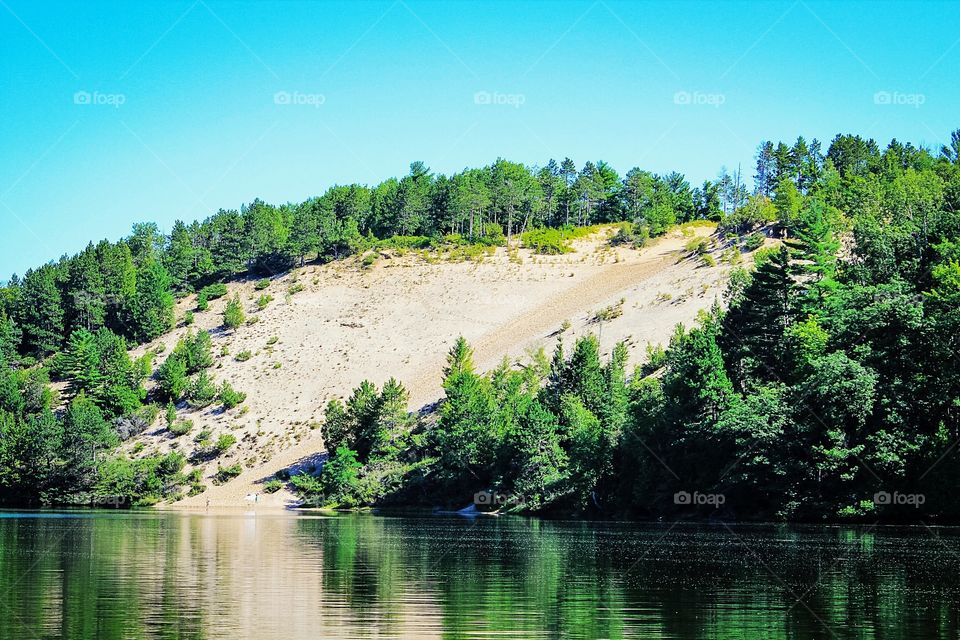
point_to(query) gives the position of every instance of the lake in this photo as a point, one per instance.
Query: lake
(154, 574)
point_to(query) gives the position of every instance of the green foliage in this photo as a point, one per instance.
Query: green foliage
(263, 301)
(233, 315)
(201, 391)
(144, 481)
(243, 356)
(262, 284)
(230, 397)
(547, 241)
(210, 292)
(753, 241)
(224, 442)
(225, 474)
(180, 427)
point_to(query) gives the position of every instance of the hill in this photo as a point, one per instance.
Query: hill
(397, 316)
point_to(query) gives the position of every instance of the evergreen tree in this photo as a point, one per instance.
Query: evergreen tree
(151, 309)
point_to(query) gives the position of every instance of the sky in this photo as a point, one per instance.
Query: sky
(117, 112)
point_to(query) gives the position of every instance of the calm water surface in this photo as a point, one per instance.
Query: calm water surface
(162, 575)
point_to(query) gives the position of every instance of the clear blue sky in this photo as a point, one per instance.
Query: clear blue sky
(199, 126)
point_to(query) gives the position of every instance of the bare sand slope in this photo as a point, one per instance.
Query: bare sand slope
(399, 317)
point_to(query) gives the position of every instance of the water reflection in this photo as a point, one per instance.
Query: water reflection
(157, 575)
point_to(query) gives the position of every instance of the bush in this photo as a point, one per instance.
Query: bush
(753, 241)
(262, 284)
(172, 377)
(308, 488)
(272, 486)
(546, 241)
(210, 292)
(203, 438)
(230, 397)
(698, 246)
(181, 427)
(263, 301)
(493, 235)
(225, 474)
(224, 442)
(233, 315)
(243, 356)
(609, 313)
(213, 291)
(295, 288)
(201, 392)
(187, 318)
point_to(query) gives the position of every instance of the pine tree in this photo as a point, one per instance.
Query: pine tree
(151, 309)
(233, 315)
(754, 326)
(42, 312)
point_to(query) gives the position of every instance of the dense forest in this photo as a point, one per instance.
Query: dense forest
(830, 375)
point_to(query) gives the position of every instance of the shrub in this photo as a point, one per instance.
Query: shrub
(187, 318)
(224, 442)
(210, 292)
(214, 291)
(262, 284)
(203, 438)
(181, 427)
(698, 246)
(172, 377)
(263, 301)
(201, 392)
(546, 241)
(225, 474)
(171, 413)
(307, 487)
(656, 358)
(493, 235)
(295, 288)
(243, 356)
(272, 486)
(753, 241)
(272, 340)
(233, 315)
(609, 313)
(368, 260)
(230, 397)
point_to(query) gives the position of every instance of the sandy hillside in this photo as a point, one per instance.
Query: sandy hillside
(398, 317)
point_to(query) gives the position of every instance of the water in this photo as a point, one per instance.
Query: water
(109, 575)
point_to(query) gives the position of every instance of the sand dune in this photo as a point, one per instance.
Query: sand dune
(399, 317)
